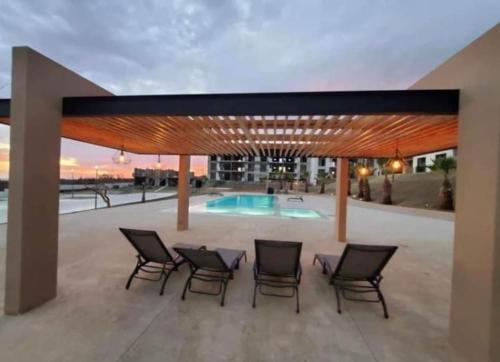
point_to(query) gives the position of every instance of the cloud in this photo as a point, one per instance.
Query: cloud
(199, 46)
(228, 46)
(68, 162)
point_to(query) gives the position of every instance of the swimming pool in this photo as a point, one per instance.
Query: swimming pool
(260, 205)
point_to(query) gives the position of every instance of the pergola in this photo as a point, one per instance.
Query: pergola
(333, 124)
(49, 102)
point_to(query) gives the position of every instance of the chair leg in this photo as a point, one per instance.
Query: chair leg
(224, 285)
(254, 294)
(188, 283)
(382, 300)
(297, 293)
(136, 270)
(337, 294)
(165, 278)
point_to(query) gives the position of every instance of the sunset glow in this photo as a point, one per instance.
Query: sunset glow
(79, 160)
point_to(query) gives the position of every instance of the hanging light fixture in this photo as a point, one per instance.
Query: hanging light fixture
(158, 163)
(363, 169)
(396, 163)
(121, 158)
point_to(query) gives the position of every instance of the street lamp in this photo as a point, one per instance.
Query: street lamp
(95, 185)
(72, 184)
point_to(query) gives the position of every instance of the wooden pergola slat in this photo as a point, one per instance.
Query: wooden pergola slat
(277, 124)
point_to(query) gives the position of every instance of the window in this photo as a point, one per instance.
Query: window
(440, 156)
(250, 177)
(263, 167)
(303, 159)
(213, 158)
(322, 161)
(421, 164)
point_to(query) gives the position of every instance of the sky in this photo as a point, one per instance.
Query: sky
(226, 46)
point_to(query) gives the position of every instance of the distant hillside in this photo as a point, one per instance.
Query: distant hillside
(412, 190)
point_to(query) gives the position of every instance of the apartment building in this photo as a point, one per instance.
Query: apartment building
(257, 168)
(421, 163)
(156, 177)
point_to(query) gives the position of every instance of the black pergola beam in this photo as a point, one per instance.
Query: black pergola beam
(255, 104)
(4, 108)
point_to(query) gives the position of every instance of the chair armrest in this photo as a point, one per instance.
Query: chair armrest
(255, 271)
(299, 272)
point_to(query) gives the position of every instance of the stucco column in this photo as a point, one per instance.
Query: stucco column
(475, 294)
(183, 192)
(38, 86)
(342, 184)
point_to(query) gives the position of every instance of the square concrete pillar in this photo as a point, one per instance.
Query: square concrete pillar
(38, 85)
(183, 193)
(342, 185)
(475, 295)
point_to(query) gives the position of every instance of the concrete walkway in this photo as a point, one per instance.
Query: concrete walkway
(95, 319)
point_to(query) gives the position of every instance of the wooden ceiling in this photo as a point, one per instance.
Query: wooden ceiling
(348, 136)
(143, 125)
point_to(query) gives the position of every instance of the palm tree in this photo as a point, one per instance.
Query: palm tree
(281, 177)
(386, 186)
(445, 165)
(290, 178)
(366, 189)
(352, 173)
(363, 183)
(305, 178)
(321, 178)
(360, 181)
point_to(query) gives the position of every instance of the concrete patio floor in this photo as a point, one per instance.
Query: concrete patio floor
(95, 319)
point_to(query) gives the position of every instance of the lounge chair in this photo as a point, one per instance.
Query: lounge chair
(295, 198)
(277, 265)
(153, 256)
(213, 266)
(358, 270)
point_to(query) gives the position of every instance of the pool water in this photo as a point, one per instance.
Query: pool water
(262, 205)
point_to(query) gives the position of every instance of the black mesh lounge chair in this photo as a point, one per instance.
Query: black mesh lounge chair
(358, 270)
(277, 265)
(153, 257)
(214, 266)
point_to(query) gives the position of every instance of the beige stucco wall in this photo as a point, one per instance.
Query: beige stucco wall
(475, 306)
(38, 85)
